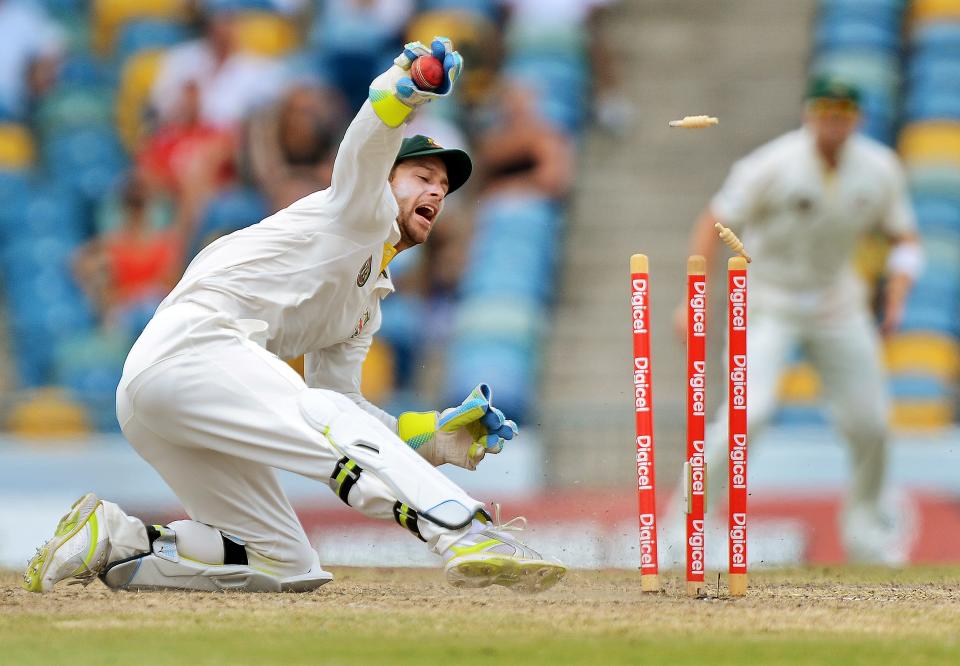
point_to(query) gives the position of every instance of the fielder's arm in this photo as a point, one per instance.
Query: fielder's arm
(904, 265)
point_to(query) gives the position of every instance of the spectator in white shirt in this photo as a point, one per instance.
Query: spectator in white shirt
(231, 83)
(30, 48)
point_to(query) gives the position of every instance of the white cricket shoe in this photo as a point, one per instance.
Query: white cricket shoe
(486, 556)
(79, 548)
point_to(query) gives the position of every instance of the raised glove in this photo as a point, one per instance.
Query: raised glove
(460, 435)
(394, 95)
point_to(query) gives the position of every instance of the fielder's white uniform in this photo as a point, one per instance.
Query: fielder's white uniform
(802, 225)
(206, 399)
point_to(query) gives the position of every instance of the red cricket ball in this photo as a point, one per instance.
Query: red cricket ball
(427, 72)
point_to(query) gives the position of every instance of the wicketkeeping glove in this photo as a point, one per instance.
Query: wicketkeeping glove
(460, 435)
(394, 95)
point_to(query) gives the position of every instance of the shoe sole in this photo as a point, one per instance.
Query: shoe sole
(69, 525)
(525, 576)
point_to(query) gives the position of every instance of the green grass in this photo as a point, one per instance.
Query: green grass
(826, 616)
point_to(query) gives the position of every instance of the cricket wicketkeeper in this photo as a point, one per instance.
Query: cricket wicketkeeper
(207, 399)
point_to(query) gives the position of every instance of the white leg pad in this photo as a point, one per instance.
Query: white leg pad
(152, 572)
(362, 438)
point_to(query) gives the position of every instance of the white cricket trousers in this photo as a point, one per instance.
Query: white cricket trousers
(215, 413)
(847, 355)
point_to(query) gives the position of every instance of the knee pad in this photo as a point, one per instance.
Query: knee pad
(368, 444)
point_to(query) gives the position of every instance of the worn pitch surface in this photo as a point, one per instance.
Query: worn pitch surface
(408, 616)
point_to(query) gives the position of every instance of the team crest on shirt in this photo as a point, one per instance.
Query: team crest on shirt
(364, 273)
(358, 329)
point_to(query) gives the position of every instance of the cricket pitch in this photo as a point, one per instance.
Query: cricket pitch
(409, 616)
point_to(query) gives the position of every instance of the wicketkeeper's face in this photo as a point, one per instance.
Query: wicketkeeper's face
(419, 185)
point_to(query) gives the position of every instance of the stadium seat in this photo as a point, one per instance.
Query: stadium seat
(934, 10)
(133, 96)
(46, 414)
(921, 416)
(149, 34)
(801, 415)
(266, 34)
(485, 8)
(108, 16)
(924, 353)
(800, 383)
(935, 181)
(378, 372)
(231, 210)
(53, 214)
(69, 108)
(17, 152)
(931, 142)
(864, 68)
(90, 160)
(508, 317)
(509, 368)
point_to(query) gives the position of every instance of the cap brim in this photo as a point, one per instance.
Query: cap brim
(459, 165)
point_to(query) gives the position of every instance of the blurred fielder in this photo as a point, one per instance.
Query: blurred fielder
(206, 399)
(801, 204)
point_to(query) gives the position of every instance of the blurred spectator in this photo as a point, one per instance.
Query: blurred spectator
(522, 151)
(573, 26)
(355, 40)
(132, 267)
(230, 83)
(30, 48)
(186, 148)
(288, 149)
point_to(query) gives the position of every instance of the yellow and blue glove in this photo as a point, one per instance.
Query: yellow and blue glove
(394, 95)
(460, 435)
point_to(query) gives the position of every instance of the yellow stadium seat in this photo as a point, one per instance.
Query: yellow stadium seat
(927, 353)
(472, 35)
(48, 414)
(931, 142)
(377, 375)
(926, 10)
(871, 257)
(800, 383)
(108, 15)
(266, 34)
(133, 95)
(921, 416)
(16, 147)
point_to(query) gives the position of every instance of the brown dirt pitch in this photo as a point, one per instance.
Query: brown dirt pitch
(405, 616)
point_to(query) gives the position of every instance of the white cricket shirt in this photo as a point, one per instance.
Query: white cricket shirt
(312, 272)
(801, 223)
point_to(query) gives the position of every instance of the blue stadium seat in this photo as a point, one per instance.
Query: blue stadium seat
(53, 212)
(14, 192)
(851, 35)
(934, 180)
(82, 69)
(144, 34)
(231, 210)
(509, 368)
(91, 161)
(939, 39)
(801, 415)
(510, 318)
(487, 8)
(70, 108)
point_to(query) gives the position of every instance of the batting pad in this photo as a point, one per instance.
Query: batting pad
(362, 438)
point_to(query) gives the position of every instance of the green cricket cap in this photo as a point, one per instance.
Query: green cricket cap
(832, 88)
(459, 165)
